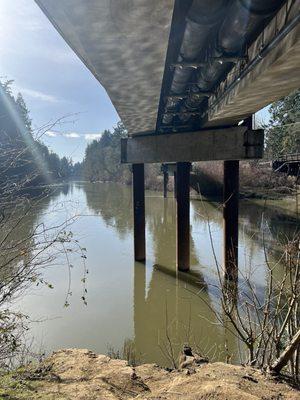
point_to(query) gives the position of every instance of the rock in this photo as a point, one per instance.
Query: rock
(189, 360)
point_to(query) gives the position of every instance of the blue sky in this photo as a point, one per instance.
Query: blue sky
(52, 79)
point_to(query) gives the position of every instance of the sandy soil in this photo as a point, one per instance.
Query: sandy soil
(83, 375)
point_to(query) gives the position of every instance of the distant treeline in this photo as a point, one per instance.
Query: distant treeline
(23, 157)
(282, 132)
(102, 161)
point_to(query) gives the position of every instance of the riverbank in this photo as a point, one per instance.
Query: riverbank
(213, 189)
(83, 375)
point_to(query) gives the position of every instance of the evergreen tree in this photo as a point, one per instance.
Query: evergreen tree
(283, 130)
(102, 157)
(22, 157)
(24, 113)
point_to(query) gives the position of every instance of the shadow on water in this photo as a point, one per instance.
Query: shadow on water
(194, 278)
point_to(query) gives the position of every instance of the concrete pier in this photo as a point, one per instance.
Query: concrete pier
(183, 216)
(138, 187)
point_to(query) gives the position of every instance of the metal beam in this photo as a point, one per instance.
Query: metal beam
(235, 143)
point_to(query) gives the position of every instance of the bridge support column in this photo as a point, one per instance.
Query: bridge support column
(166, 179)
(230, 218)
(138, 185)
(183, 216)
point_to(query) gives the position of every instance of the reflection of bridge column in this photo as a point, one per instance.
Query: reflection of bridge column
(165, 213)
(139, 290)
(138, 186)
(175, 185)
(230, 341)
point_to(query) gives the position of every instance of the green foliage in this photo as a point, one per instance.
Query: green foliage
(102, 157)
(21, 384)
(77, 170)
(283, 130)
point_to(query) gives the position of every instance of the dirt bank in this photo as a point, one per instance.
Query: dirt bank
(81, 374)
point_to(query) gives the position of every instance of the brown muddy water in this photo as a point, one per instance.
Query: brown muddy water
(144, 306)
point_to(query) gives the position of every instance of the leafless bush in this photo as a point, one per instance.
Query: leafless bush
(27, 245)
(153, 177)
(128, 353)
(266, 324)
(259, 175)
(255, 177)
(166, 345)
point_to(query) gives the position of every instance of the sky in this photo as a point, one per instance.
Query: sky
(54, 82)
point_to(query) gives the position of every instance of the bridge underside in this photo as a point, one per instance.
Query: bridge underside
(183, 65)
(123, 43)
(182, 74)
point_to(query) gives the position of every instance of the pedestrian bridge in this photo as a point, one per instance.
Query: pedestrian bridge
(185, 77)
(288, 163)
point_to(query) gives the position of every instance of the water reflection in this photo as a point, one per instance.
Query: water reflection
(140, 302)
(161, 225)
(172, 312)
(20, 221)
(113, 203)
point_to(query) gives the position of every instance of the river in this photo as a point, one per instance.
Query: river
(136, 304)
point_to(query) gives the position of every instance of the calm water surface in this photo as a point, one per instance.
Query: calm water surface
(143, 304)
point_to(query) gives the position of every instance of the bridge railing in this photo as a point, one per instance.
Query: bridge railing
(291, 157)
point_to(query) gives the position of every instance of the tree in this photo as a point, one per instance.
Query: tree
(23, 154)
(24, 113)
(102, 157)
(283, 130)
(77, 170)
(25, 242)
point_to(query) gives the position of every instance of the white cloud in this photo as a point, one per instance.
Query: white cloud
(68, 135)
(72, 135)
(37, 94)
(51, 133)
(92, 136)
